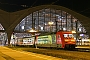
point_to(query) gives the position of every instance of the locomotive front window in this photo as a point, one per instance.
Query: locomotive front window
(65, 35)
(70, 35)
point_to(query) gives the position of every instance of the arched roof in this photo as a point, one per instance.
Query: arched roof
(16, 17)
(3, 19)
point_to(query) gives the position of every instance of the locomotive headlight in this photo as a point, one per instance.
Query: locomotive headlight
(66, 40)
(73, 40)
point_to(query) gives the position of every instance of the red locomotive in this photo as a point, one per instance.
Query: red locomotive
(62, 39)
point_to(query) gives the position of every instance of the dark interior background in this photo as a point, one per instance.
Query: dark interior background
(80, 6)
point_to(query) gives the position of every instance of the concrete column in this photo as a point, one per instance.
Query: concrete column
(9, 37)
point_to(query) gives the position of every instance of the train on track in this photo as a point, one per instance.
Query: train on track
(61, 39)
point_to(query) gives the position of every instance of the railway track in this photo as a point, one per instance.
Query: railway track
(76, 49)
(82, 49)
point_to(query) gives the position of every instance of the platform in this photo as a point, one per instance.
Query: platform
(9, 54)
